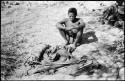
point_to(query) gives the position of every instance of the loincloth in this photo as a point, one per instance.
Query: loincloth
(72, 34)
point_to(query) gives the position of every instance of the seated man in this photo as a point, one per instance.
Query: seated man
(120, 16)
(71, 28)
(114, 12)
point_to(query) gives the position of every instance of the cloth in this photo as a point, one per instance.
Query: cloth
(58, 53)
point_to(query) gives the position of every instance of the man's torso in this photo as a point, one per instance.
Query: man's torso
(70, 24)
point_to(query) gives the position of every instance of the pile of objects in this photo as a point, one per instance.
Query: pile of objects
(51, 59)
(114, 15)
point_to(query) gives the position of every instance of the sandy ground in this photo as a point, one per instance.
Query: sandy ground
(29, 27)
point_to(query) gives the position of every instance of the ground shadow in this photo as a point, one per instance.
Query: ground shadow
(88, 37)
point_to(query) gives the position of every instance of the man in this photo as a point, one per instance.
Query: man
(71, 28)
(120, 15)
(114, 13)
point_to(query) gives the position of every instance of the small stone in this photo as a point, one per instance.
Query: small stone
(83, 50)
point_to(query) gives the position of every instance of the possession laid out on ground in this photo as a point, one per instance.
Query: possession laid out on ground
(53, 58)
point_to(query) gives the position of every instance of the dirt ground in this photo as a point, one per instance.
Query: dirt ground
(27, 27)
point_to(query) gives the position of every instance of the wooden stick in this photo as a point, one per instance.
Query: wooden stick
(56, 66)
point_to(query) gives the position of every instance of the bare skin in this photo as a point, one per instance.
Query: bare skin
(71, 29)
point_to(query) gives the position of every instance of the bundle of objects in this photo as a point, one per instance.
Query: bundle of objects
(53, 58)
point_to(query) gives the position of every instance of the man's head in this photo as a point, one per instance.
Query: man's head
(72, 13)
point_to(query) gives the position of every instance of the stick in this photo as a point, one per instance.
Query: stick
(56, 66)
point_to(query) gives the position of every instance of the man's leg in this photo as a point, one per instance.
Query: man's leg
(71, 40)
(78, 38)
(65, 35)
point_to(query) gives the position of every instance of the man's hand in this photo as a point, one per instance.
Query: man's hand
(70, 48)
(73, 46)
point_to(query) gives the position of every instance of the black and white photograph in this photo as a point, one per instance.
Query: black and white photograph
(62, 40)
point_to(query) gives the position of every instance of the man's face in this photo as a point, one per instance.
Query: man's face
(72, 16)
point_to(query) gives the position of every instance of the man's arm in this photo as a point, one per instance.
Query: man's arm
(61, 24)
(80, 27)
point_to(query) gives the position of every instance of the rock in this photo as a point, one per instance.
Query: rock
(122, 73)
(115, 32)
(83, 50)
(105, 37)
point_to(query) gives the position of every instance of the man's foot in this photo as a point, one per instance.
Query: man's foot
(70, 48)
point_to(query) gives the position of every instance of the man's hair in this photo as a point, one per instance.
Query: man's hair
(72, 10)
